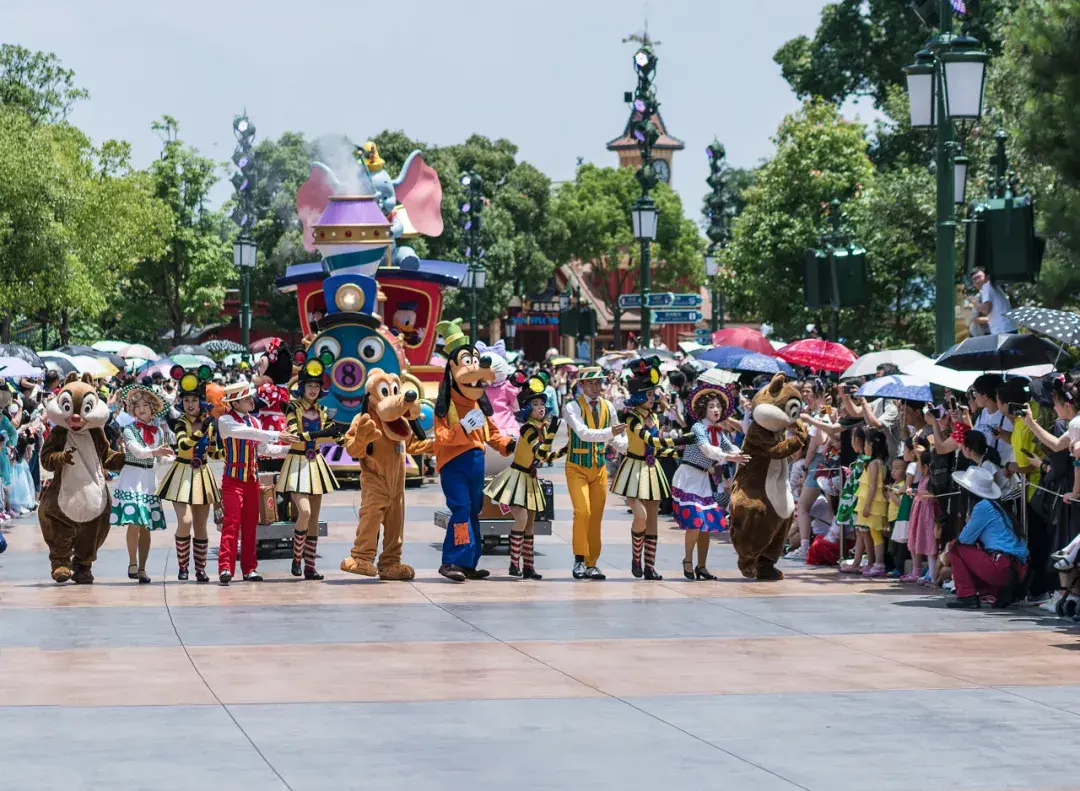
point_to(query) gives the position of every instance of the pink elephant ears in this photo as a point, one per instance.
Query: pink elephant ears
(312, 198)
(419, 191)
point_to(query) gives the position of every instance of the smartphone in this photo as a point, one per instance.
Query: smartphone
(1016, 409)
(936, 411)
(953, 404)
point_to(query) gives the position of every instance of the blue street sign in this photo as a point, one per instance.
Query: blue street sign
(705, 334)
(686, 301)
(664, 299)
(676, 316)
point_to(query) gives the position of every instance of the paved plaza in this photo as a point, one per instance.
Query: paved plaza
(813, 682)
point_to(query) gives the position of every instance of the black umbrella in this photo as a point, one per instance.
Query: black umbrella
(1060, 325)
(223, 346)
(61, 365)
(1001, 352)
(202, 351)
(96, 354)
(24, 353)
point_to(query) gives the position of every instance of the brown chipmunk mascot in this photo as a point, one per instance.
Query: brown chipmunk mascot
(386, 429)
(761, 501)
(74, 508)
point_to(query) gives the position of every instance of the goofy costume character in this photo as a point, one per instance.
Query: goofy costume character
(463, 426)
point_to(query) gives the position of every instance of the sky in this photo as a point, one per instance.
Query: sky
(548, 76)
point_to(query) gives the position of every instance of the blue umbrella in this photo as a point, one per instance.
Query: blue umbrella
(734, 358)
(909, 388)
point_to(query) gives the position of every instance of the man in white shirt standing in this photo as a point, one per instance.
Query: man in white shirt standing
(590, 420)
(991, 304)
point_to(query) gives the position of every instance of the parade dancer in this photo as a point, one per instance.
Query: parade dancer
(589, 419)
(694, 492)
(639, 478)
(189, 484)
(462, 427)
(305, 474)
(243, 441)
(517, 486)
(136, 503)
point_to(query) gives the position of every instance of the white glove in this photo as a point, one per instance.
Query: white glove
(473, 420)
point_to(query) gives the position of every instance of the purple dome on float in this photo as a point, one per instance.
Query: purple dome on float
(353, 223)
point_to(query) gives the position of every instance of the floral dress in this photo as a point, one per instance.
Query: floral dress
(845, 511)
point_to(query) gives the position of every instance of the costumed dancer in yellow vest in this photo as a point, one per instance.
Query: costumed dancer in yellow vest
(639, 478)
(189, 484)
(590, 421)
(305, 474)
(517, 485)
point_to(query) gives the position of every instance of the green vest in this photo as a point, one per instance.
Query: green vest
(589, 454)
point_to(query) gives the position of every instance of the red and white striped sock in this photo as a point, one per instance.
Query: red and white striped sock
(299, 539)
(183, 552)
(310, 546)
(637, 540)
(527, 559)
(650, 552)
(516, 540)
(201, 545)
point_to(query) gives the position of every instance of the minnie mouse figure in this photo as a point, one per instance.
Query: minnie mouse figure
(271, 380)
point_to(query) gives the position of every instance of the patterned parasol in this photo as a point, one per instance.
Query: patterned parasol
(1060, 325)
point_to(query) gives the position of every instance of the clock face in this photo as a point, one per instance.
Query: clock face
(663, 170)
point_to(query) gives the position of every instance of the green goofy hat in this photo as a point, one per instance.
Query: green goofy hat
(453, 337)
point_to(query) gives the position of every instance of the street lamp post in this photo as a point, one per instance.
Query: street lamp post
(945, 84)
(645, 131)
(244, 251)
(475, 276)
(244, 248)
(718, 228)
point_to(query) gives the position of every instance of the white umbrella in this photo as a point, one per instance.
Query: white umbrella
(718, 376)
(907, 360)
(112, 347)
(99, 369)
(139, 350)
(939, 375)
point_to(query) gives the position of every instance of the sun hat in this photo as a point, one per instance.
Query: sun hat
(592, 372)
(979, 482)
(157, 403)
(238, 391)
(703, 391)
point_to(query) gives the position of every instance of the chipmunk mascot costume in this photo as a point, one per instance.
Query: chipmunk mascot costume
(386, 429)
(761, 501)
(463, 426)
(74, 509)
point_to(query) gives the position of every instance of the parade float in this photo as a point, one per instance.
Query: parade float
(372, 302)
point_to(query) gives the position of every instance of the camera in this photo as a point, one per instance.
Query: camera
(936, 411)
(1016, 409)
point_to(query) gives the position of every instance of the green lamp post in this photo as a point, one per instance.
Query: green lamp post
(946, 85)
(717, 232)
(643, 213)
(475, 275)
(244, 248)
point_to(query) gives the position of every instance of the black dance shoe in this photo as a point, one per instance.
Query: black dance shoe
(703, 573)
(650, 574)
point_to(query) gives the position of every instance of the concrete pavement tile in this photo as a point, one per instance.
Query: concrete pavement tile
(86, 627)
(100, 677)
(729, 666)
(107, 749)
(610, 620)
(957, 739)
(378, 672)
(494, 744)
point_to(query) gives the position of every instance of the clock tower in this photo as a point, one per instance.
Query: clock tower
(630, 155)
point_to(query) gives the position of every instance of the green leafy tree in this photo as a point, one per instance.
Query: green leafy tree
(36, 83)
(819, 157)
(183, 287)
(594, 209)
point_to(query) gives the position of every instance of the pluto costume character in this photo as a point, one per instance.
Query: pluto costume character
(74, 509)
(386, 429)
(463, 426)
(761, 501)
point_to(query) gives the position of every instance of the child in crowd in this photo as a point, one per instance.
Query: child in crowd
(899, 508)
(23, 499)
(871, 508)
(922, 525)
(845, 511)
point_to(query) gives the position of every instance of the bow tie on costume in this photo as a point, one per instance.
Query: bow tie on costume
(714, 434)
(149, 433)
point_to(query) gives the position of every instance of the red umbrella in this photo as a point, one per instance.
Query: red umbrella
(818, 355)
(744, 338)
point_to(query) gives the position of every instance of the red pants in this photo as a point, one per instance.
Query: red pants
(240, 501)
(976, 571)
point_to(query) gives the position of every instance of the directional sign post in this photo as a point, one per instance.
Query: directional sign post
(685, 301)
(663, 299)
(676, 316)
(703, 335)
